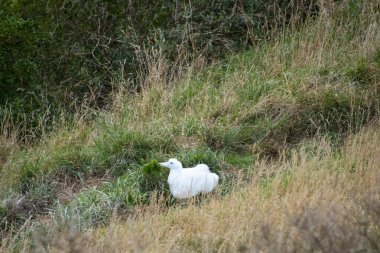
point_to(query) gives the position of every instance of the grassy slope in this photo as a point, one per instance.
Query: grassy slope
(322, 79)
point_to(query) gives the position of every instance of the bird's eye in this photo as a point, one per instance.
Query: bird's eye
(171, 162)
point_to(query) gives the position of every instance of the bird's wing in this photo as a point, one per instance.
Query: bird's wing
(203, 166)
(203, 181)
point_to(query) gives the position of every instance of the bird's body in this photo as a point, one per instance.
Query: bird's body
(189, 182)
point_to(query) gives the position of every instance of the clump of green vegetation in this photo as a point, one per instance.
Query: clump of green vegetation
(154, 178)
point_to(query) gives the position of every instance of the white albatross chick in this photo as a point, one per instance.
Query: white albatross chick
(188, 182)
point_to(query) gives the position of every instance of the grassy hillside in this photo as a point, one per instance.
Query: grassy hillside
(314, 201)
(290, 125)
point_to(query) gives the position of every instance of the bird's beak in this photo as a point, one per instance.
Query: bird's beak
(164, 164)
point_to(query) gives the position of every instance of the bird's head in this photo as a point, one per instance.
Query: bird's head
(172, 164)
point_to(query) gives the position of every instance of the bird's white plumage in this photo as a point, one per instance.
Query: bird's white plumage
(189, 182)
(200, 167)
